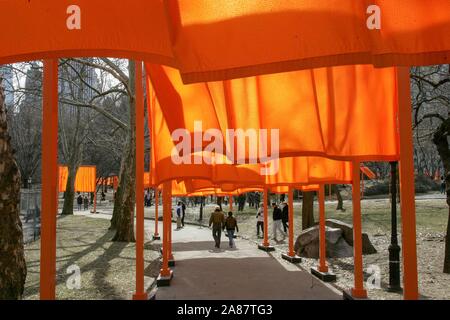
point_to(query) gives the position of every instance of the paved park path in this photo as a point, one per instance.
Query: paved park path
(203, 272)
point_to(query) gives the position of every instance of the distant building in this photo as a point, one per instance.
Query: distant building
(7, 75)
(71, 87)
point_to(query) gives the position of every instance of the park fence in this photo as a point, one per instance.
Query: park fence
(30, 214)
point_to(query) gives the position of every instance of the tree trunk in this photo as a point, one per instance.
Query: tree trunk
(13, 269)
(440, 140)
(308, 210)
(447, 245)
(337, 191)
(69, 195)
(123, 214)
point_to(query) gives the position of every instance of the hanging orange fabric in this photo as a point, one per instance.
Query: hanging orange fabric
(216, 40)
(274, 36)
(147, 182)
(342, 113)
(48, 28)
(85, 180)
(369, 173)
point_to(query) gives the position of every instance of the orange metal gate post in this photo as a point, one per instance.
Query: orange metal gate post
(407, 191)
(167, 191)
(140, 119)
(322, 235)
(291, 222)
(49, 180)
(358, 290)
(156, 235)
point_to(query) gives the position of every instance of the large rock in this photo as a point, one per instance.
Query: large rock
(307, 244)
(347, 232)
(339, 241)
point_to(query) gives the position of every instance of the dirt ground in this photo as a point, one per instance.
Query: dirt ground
(107, 268)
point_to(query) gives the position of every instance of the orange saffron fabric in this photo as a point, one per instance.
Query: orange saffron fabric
(85, 180)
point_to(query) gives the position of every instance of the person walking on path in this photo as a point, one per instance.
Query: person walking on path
(260, 220)
(86, 202)
(217, 220)
(277, 221)
(442, 185)
(183, 209)
(178, 210)
(285, 217)
(231, 226)
(79, 201)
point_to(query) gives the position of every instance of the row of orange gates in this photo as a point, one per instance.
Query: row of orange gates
(339, 73)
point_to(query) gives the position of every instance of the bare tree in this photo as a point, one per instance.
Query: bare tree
(13, 270)
(431, 110)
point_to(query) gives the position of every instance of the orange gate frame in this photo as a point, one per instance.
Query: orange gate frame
(85, 180)
(49, 179)
(372, 54)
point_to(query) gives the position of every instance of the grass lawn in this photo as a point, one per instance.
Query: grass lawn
(431, 216)
(107, 268)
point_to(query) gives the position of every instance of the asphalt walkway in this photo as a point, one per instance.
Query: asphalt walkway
(203, 272)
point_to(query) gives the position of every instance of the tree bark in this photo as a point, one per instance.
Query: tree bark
(13, 269)
(308, 210)
(123, 214)
(69, 194)
(440, 140)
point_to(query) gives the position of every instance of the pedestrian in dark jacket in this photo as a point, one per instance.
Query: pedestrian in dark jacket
(231, 226)
(86, 202)
(277, 222)
(79, 201)
(183, 209)
(217, 221)
(285, 217)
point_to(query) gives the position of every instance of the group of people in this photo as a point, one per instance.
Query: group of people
(82, 202)
(219, 223)
(280, 217)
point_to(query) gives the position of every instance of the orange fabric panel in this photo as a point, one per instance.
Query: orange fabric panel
(181, 189)
(85, 180)
(328, 111)
(284, 189)
(296, 171)
(369, 173)
(136, 30)
(147, 183)
(204, 104)
(62, 178)
(217, 40)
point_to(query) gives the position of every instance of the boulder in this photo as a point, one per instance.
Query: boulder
(307, 244)
(347, 232)
(339, 241)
